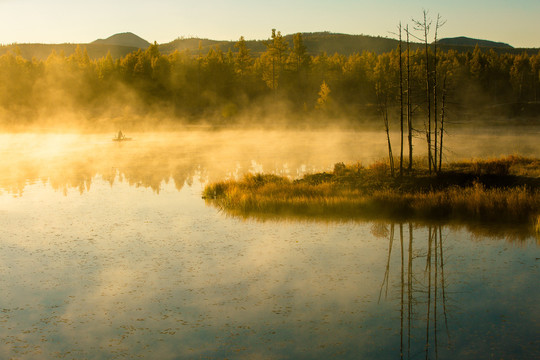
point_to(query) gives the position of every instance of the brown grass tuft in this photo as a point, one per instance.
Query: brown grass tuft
(487, 190)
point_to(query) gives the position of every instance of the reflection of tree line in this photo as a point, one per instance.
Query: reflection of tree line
(150, 170)
(81, 173)
(434, 293)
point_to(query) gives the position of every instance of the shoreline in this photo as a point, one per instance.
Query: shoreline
(502, 190)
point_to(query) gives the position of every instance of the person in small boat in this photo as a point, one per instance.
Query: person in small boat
(120, 135)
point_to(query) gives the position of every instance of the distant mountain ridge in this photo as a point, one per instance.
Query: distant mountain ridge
(119, 45)
(43, 51)
(316, 43)
(465, 41)
(332, 43)
(124, 39)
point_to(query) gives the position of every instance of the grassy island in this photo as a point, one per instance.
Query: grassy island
(497, 190)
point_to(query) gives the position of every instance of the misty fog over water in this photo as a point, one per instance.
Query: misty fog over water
(108, 251)
(72, 160)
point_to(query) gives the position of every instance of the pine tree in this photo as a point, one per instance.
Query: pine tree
(298, 59)
(243, 61)
(274, 59)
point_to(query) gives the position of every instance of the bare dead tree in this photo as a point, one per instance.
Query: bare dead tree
(438, 24)
(409, 110)
(443, 113)
(381, 90)
(435, 94)
(400, 103)
(383, 104)
(424, 27)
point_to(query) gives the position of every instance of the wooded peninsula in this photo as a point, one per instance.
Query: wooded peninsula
(502, 191)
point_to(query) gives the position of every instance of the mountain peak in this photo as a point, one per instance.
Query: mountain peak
(124, 39)
(465, 41)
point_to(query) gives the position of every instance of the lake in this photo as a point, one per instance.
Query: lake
(107, 251)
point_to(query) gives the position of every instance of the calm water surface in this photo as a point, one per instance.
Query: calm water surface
(108, 251)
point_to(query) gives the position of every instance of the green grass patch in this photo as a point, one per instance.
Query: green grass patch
(496, 190)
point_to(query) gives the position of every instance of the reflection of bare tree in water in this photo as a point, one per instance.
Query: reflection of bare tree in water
(409, 291)
(387, 271)
(415, 293)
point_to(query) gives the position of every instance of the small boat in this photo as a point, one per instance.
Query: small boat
(121, 137)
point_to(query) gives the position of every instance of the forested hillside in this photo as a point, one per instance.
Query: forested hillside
(285, 80)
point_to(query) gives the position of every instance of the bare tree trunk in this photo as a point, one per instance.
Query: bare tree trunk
(438, 25)
(425, 27)
(442, 121)
(390, 155)
(428, 132)
(435, 94)
(382, 99)
(409, 114)
(400, 104)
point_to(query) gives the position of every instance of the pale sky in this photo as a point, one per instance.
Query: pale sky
(516, 22)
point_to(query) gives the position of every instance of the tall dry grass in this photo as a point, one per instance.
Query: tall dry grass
(355, 191)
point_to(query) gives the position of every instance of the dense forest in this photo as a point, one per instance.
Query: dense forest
(282, 81)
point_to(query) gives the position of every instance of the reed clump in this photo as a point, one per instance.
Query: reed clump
(504, 189)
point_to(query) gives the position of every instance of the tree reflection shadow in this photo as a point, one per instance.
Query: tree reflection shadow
(423, 295)
(147, 165)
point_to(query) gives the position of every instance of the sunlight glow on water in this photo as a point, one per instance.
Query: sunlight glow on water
(130, 263)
